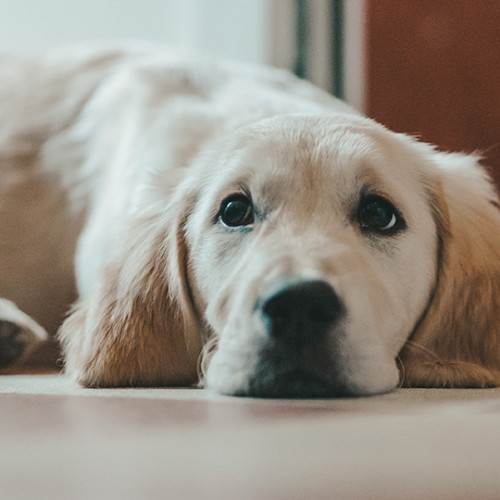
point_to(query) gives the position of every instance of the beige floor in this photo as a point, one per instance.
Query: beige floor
(59, 441)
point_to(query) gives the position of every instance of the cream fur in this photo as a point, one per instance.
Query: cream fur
(114, 162)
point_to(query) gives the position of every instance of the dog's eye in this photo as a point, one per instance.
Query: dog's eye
(379, 215)
(236, 210)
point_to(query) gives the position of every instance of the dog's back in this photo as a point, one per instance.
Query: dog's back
(39, 219)
(71, 123)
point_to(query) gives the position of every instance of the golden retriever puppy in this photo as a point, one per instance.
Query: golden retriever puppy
(233, 225)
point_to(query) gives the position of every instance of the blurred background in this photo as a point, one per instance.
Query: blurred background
(426, 67)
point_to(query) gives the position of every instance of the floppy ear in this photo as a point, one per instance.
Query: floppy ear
(457, 341)
(138, 327)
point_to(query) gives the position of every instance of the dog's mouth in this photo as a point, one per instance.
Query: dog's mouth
(293, 385)
(290, 382)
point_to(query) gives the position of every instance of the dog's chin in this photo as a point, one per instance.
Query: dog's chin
(291, 384)
(271, 379)
(268, 380)
(292, 379)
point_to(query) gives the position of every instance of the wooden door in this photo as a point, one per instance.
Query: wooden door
(433, 69)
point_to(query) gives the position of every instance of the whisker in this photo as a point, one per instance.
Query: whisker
(204, 359)
(402, 372)
(419, 347)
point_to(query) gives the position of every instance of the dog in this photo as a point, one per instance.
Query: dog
(231, 225)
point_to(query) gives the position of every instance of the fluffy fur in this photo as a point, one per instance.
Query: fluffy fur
(116, 166)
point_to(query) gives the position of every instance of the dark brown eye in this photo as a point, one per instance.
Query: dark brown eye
(236, 210)
(378, 214)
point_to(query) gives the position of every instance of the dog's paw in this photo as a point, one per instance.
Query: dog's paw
(13, 342)
(19, 334)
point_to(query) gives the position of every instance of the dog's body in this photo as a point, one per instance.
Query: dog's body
(195, 206)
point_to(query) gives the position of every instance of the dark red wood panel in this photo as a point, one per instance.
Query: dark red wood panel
(433, 69)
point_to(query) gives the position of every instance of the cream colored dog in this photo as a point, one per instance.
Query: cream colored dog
(237, 215)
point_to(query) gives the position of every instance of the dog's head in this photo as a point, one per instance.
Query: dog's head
(315, 250)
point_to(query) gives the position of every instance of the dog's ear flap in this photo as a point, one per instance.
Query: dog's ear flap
(457, 341)
(138, 327)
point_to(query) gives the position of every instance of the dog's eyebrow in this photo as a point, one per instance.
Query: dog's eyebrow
(245, 189)
(367, 174)
(375, 188)
(371, 183)
(236, 186)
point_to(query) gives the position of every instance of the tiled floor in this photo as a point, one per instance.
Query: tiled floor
(62, 442)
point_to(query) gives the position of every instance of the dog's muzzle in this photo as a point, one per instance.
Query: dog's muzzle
(298, 316)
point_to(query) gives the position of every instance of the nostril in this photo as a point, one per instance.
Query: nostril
(302, 308)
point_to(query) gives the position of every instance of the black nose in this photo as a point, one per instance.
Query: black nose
(301, 311)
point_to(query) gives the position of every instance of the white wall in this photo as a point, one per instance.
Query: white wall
(233, 28)
(261, 31)
(355, 53)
